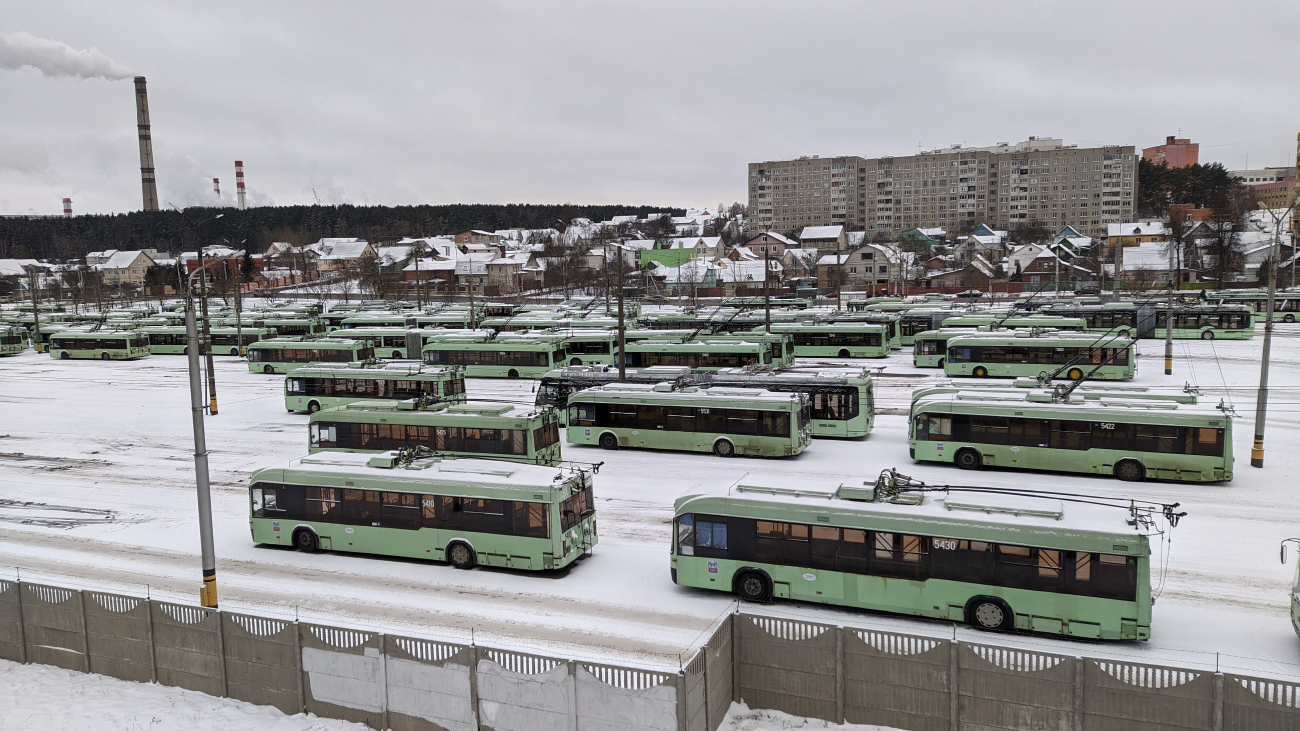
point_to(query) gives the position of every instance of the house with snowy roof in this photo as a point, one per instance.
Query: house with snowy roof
(823, 238)
(983, 242)
(121, 267)
(340, 254)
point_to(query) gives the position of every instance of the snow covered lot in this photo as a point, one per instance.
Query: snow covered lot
(101, 451)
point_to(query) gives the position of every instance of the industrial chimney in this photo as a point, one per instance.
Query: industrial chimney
(67, 208)
(147, 181)
(216, 186)
(239, 185)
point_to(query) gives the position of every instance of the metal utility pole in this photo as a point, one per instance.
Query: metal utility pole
(1261, 399)
(1169, 317)
(36, 309)
(767, 293)
(207, 337)
(622, 360)
(208, 592)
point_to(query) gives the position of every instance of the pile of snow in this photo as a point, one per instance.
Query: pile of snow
(742, 718)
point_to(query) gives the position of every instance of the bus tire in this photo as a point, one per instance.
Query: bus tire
(313, 407)
(105, 356)
(724, 448)
(268, 369)
(1130, 470)
(608, 441)
(989, 614)
(64, 356)
(397, 355)
(1207, 335)
(844, 352)
(968, 459)
(1075, 374)
(305, 540)
(941, 362)
(980, 372)
(461, 556)
(185, 350)
(512, 373)
(1288, 317)
(234, 351)
(575, 362)
(753, 586)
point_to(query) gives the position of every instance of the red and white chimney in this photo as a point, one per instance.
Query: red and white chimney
(239, 185)
(67, 208)
(216, 186)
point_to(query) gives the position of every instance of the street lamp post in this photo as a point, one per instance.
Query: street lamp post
(622, 360)
(1261, 399)
(208, 592)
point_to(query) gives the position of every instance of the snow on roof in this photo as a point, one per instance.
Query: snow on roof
(742, 271)
(17, 267)
(1145, 228)
(832, 259)
(774, 235)
(1150, 255)
(430, 265)
(122, 259)
(933, 233)
(335, 248)
(821, 232)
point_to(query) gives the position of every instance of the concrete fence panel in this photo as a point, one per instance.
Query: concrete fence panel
(625, 699)
(187, 647)
(343, 674)
(719, 673)
(1001, 688)
(695, 694)
(429, 685)
(897, 680)
(11, 622)
(1252, 704)
(1119, 696)
(54, 626)
(521, 692)
(263, 664)
(789, 666)
(119, 636)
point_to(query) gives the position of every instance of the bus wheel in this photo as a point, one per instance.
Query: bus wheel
(512, 373)
(968, 459)
(1207, 335)
(64, 356)
(104, 356)
(1075, 374)
(941, 362)
(980, 372)
(844, 352)
(185, 350)
(461, 556)
(1130, 470)
(304, 540)
(724, 448)
(576, 362)
(608, 441)
(268, 369)
(753, 586)
(397, 355)
(988, 613)
(1288, 317)
(313, 407)
(234, 351)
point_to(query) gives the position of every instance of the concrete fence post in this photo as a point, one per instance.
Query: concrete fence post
(573, 695)
(85, 638)
(735, 658)
(954, 686)
(153, 652)
(22, 628)
(839, 675)
(221, 653)
(1218, 701)
(1078, 693)
(297, 652)
(473, 683)
(383, 675)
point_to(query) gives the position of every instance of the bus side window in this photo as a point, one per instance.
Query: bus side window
(686, 535)
(257, 502)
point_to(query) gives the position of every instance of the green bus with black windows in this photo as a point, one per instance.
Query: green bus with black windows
(284, 354)
(1022, 353)
(930, 348)
(492, 431)
(315, 387)
(725, 421)
(485, 354)
(995, 562)
(466, 512)
(99, 344)
(1130, 439)
(1206, 322)
(699, 354)
(171, 339)
(838, 339)
(841, 402)
(13, 340)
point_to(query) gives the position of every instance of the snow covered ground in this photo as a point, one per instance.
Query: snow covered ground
(96, 490)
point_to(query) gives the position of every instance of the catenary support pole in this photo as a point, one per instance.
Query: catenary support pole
(36, 309)
(1169, 316)
(1261, 399)
(622, 361)
(208, 594)
(207, 338)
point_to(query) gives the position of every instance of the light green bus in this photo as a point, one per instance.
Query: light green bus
(485, 354)
(1104, 358)
(388, 342)
(893, 322)
(841, 402)
(725, 421)
(838, 339)
(13, 340)
(1131, 439)
(699, 354)
(1286, 305)
(492, 431)
(467, 512)
(170, 339)
(780, 345)
(590, 346)
(101, 344)
(315, 387)
(996, 562)
(1018, 388)
(283, 354)
(1295, 587)
(284, 326)
(1207, 322)
(1110, 317)
(930, 348)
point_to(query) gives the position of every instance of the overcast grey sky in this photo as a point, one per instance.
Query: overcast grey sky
(609, 102)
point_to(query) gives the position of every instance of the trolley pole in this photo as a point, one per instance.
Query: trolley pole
(208, 592)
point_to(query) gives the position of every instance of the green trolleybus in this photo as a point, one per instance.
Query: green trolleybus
(281, 355)
(315, 387)
(494, 431)
(1207, 322)
(997, 562)
(1286, 305)
(930, 348)
(701, 354)
(838, 340)
(725, 421)
(1295, 587)
(13, 340)
(1131, 439)
(170, 339)
(841, 402)
(1097, 357)
(102, 344)
(558, 385)
(465, 512)
(495, 355)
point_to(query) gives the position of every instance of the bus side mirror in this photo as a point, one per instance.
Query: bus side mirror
(1283, 553)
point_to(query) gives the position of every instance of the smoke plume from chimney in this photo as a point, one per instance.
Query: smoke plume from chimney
(56, 59)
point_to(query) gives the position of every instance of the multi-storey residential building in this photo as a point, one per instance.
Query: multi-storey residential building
(1174, 153)
(1039, 181)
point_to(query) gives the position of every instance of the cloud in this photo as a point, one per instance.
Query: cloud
(53, 58)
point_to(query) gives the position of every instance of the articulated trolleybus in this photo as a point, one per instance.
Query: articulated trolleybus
(315, 387)
(1029, 562)
(725, 421)
(465, 512)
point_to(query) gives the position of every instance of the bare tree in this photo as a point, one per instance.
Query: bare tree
(1224, 249)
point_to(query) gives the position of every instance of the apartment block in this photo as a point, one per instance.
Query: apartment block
(1039, 181)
